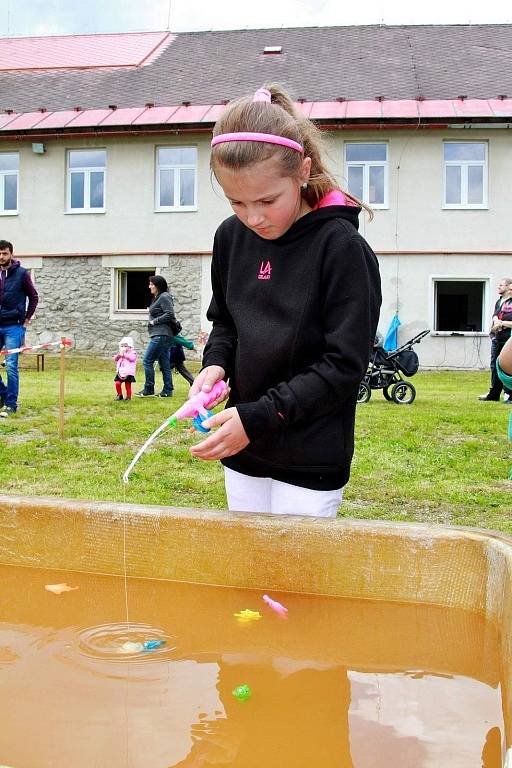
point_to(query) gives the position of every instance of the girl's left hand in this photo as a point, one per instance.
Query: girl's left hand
(229, 439)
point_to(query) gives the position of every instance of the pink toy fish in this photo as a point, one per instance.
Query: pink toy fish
(277, 607)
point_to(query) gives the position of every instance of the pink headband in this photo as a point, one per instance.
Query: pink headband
(262, 94)
(267, 138)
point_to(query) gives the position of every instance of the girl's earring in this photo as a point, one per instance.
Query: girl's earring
(305, 185)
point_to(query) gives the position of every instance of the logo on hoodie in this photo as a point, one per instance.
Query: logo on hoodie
(265, 271)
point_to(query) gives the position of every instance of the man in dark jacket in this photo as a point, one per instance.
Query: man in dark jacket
(499, 336)
(18, 300)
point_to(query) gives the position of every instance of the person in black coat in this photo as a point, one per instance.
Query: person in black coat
(177, 358)
(161, 318)
(499, 337)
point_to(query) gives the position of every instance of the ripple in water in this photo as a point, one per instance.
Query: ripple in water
(122, 641)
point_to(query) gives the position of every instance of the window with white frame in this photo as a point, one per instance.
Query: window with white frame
(86, 180)
(367, 172)
(176, 179)
(132, 289)
(459, 305)
(9, 172)
(465, 174)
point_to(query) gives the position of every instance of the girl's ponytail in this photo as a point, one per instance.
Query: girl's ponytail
(281, 118)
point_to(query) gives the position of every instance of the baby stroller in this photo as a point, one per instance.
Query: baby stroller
(385, 372)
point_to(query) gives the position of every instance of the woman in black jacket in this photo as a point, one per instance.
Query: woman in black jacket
(161, 315)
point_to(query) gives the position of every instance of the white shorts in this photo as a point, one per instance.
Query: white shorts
(262, 494)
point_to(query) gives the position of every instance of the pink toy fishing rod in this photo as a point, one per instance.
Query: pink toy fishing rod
(194, 408)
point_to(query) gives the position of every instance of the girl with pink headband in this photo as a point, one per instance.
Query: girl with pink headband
(296, 297)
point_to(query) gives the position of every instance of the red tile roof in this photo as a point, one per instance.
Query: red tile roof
(26, 120)
(85, 118)
(206, 114)
(155, 116)
(133, 49)
(4, 119)
(123, 116)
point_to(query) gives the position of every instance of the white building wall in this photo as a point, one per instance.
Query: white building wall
(415, 219)
(130, 222)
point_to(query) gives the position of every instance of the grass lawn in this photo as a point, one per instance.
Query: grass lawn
(444, 459)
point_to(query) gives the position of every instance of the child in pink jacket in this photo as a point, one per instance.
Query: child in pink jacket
(126, 364)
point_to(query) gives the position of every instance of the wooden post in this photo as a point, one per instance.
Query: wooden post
(61, 388)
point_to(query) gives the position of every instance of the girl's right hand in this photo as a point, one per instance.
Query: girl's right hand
(205, 380)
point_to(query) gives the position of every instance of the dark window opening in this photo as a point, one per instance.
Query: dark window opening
(459, 305)
(134, 289)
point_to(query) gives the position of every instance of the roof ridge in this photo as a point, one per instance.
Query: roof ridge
(86, 34)
(257, 29)
(343, 26)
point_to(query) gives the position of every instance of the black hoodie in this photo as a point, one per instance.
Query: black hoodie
(293, 324)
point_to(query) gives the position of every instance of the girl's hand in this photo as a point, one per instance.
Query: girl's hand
(229, 439)
(205, 381)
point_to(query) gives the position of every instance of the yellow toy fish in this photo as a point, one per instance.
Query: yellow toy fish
(245, 616)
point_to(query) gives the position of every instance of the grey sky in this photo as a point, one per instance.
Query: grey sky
(53, 17)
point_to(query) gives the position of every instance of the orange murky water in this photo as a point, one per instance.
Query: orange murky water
(338, 683)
